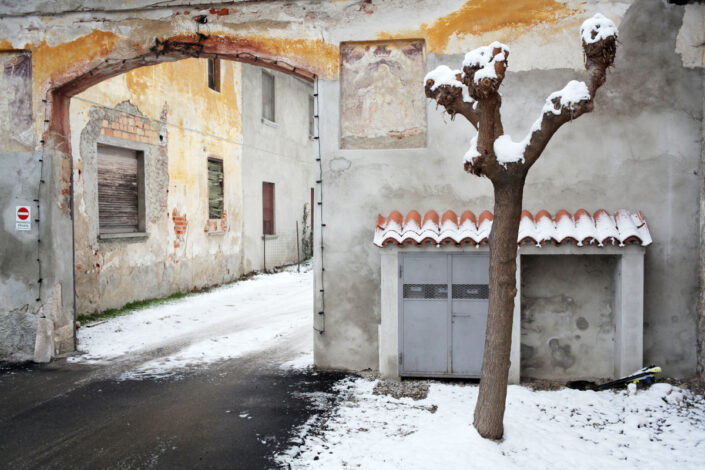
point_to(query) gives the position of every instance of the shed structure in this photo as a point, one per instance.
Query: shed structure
(578, 316)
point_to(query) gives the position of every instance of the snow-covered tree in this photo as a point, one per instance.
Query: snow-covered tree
(473, 92)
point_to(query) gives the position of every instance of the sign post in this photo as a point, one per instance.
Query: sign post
(23, 219)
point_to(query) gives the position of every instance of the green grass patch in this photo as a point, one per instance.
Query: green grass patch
(142, 304)
(134, 306)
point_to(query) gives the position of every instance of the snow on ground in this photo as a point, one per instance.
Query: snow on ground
(662, 427)
(224, 323)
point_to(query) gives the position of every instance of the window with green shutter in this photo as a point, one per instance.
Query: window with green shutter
(215, 188)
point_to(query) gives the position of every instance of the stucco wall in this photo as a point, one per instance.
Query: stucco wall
(184, 123)
(279, 153)
(639, 149)
(648, 121)
(567, 317)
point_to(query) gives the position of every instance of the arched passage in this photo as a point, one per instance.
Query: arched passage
(57, 136)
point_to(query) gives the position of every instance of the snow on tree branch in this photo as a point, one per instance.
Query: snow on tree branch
(444, 85)
(599, 40)
(474, 94)
(483, 69)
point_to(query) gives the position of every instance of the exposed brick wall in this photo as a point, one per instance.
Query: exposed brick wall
(129, 127)
(180, 227)
(217, 225)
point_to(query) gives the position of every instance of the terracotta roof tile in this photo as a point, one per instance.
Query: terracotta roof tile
(581, 228)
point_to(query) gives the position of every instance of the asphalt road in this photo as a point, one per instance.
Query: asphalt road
(234, 415)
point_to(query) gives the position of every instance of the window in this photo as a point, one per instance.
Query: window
(311, 122)
(268, 208)
(313, 210)
(214, 74)
(120, 190)
(267, 96)
(215, 188)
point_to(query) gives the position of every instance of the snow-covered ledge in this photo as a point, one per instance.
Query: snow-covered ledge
(628, 304)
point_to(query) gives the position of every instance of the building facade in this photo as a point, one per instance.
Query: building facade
(383, 147)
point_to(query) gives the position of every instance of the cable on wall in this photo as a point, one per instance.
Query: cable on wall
(37, 200)
(319, 202)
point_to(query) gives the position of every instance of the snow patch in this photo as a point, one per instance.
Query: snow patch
(483, 59)
(227, 322)
(660, 427)
(572, 93)
(472, 152)
(443, 75)
(508, 151)
(597, 28)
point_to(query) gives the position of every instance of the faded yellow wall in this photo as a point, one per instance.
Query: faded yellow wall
(200, 123)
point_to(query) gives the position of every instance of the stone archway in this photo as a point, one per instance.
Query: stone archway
(56, 332)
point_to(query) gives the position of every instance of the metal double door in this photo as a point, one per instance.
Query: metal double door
(443, 306)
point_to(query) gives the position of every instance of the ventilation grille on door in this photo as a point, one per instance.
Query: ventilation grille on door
(425, 291)
(470, 291)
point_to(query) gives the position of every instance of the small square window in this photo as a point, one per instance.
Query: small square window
(215, 188)
(268, 96)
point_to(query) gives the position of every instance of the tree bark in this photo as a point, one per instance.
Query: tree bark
(489, 409)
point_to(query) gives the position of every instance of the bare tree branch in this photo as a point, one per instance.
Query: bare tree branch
(483, 73)
(444, 86)
(599, 39)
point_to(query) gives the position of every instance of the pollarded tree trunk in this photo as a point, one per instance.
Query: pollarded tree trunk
(474, 94)
(498, 338)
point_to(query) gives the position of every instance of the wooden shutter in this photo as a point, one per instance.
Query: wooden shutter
(215, 188)
(118, 209)
(268, 208)
(268, 96)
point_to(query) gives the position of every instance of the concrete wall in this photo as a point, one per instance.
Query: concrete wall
(639, 149)
(567, 317)
(279, 152)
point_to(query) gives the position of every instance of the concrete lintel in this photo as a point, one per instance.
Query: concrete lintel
(570, 249)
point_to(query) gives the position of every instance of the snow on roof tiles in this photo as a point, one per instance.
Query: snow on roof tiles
(581, 228)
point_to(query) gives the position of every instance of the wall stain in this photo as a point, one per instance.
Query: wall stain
(477, 17)
(51, 62)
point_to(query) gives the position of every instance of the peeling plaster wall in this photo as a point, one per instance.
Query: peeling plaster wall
(185, 123)
(279, 153)
(647, 122)
(639, 149)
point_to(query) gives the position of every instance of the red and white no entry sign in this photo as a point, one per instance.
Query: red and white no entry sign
(22, 213)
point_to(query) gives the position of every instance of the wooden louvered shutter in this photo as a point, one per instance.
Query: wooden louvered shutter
(215, 188)
(118, 189)
(268, 208)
